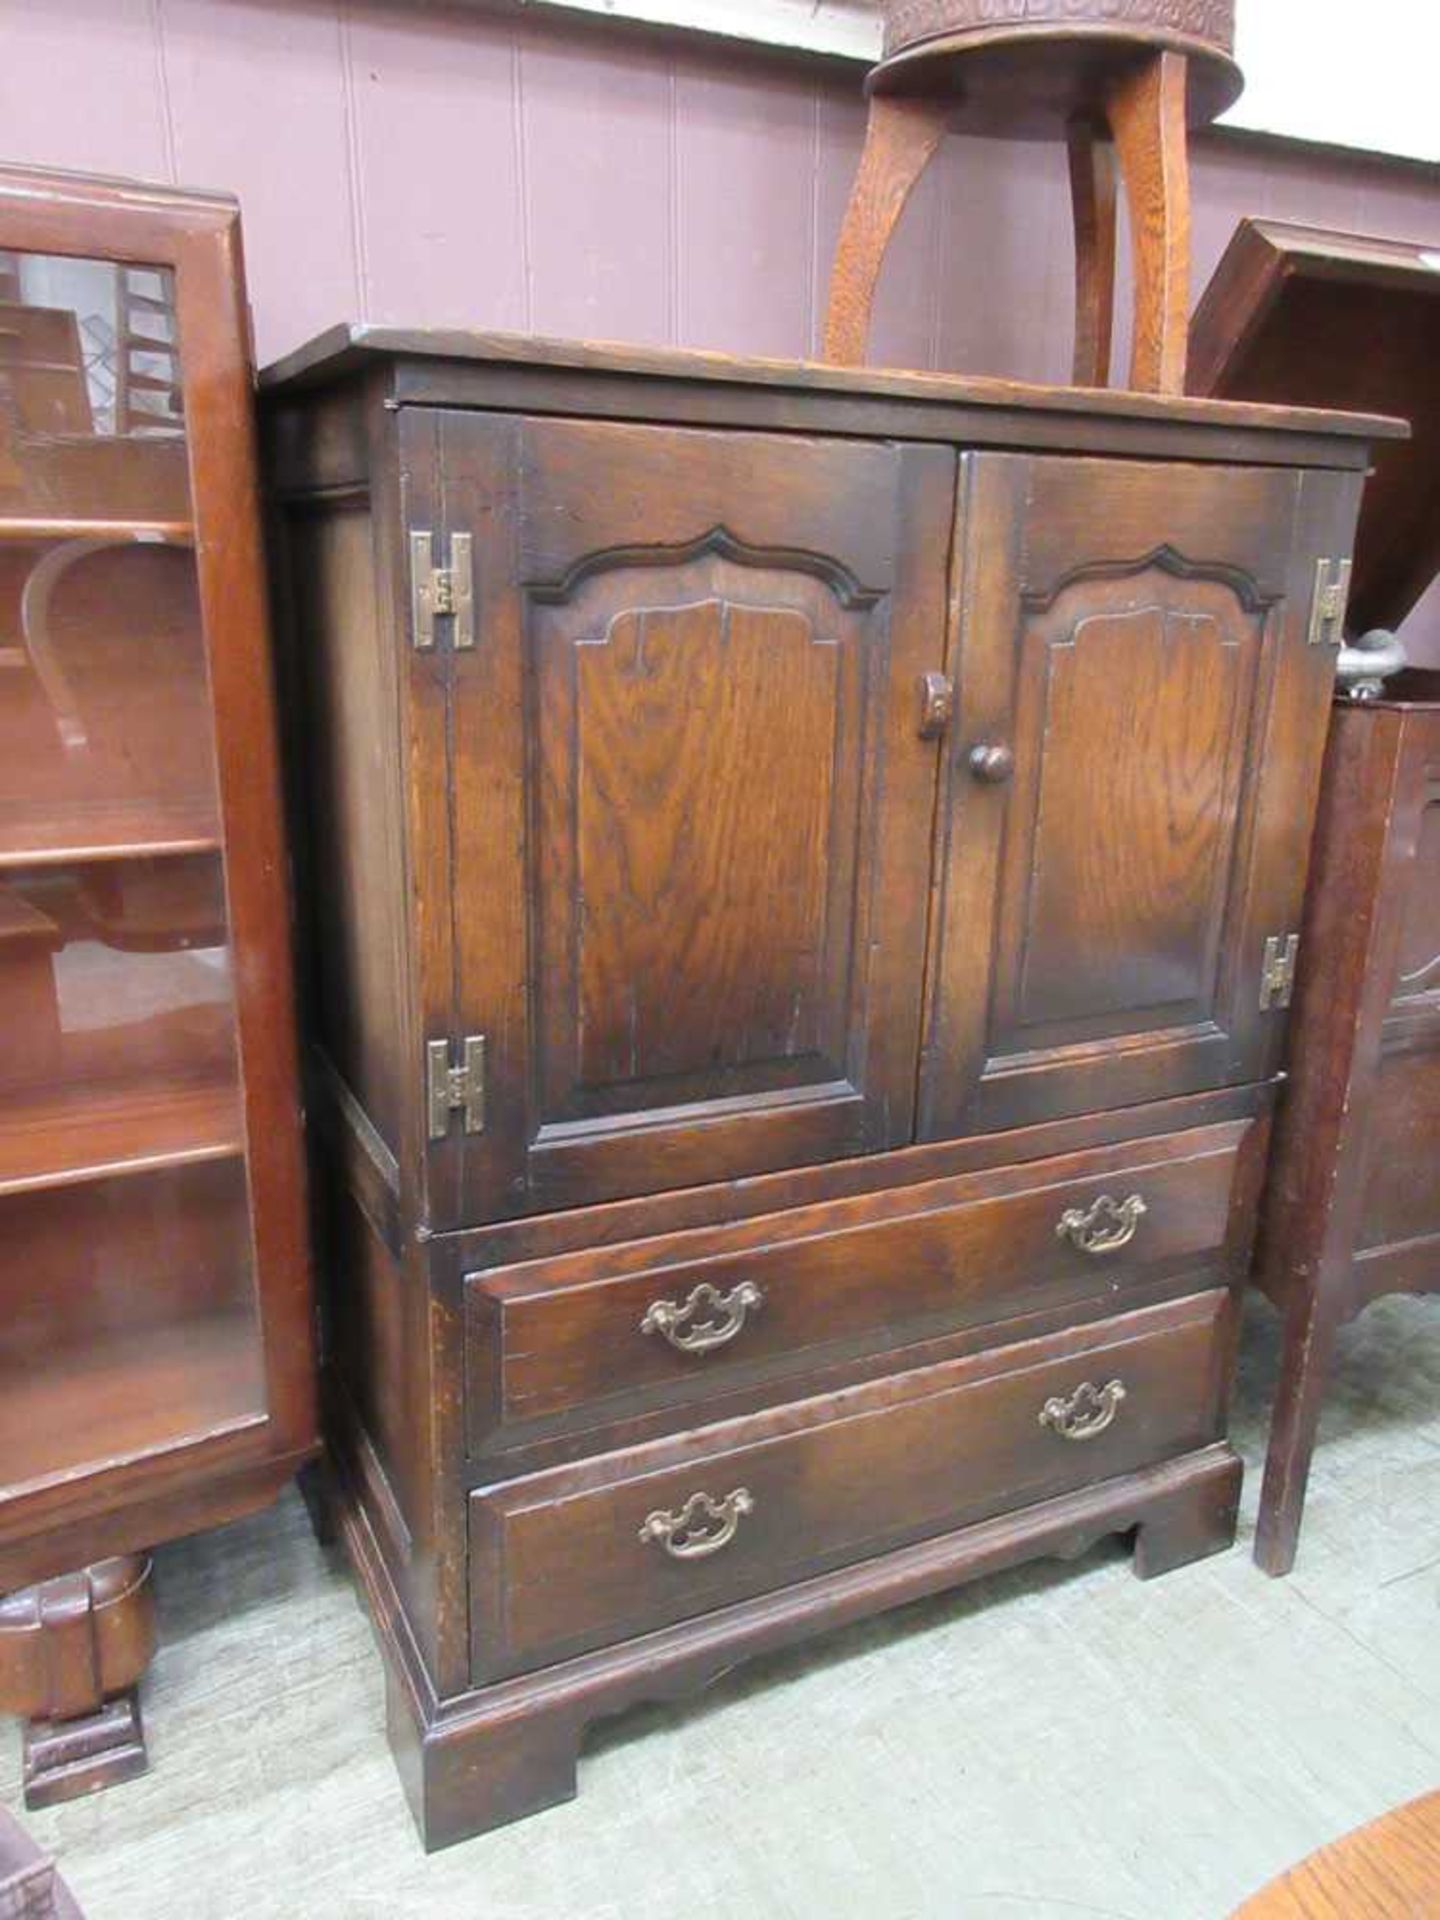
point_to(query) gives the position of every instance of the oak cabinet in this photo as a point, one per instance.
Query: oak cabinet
(804, 871)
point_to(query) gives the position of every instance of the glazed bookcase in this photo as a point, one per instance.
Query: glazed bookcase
(155, 1359)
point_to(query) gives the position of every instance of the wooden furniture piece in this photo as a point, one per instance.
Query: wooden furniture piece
(30, 1888)
(797, 859)
(1353, 1210)
(1389, 1870)
(155, 1325)
(1128, 81)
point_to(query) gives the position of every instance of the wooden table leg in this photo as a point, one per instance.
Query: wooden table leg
(1309, 1345)
(71, 1653)
(899, 144)
(1092, 189)
(1148, 121)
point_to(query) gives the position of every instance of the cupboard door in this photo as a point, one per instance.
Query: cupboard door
(688, 802)
(1131, 784)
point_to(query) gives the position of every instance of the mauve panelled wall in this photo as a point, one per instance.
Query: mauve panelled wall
(435, 166)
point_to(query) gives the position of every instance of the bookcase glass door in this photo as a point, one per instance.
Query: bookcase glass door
(129, 1325)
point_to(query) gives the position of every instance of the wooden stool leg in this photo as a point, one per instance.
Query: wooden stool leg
(1147, 118)
(1092, 189)
(71, 1652)
(1304, 1370)
(899, 144)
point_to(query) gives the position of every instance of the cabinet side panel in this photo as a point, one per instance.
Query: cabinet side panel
(349, 773)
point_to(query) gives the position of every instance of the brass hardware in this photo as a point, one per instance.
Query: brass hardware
(937, 704)
(1277, 975)
(441, 592)
(1367, 663)
(715, 1318)
(678, 1532)
(1085, 1413)
(1332, 593)
(452, 1089)
(991, 763)
(1085, 1228)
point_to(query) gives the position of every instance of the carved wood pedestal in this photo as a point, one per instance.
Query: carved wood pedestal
(1125, 82)
(793, 860)
(71, 1653)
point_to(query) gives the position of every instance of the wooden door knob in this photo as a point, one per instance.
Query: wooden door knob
(991, 763)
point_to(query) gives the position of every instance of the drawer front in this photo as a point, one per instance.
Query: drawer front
(589, 1337)
(586, 1555)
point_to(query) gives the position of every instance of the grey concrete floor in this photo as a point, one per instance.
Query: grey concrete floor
(1061, 1741)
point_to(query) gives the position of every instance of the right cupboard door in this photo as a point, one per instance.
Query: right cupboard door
(1131, 782)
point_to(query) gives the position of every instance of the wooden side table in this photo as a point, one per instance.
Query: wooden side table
(1389, 1870)
(1130, 88)
(1303, 316)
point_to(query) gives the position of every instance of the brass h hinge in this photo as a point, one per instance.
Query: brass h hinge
(1277, 977)
(1332, 593)
(453, 1089)
(441, 592)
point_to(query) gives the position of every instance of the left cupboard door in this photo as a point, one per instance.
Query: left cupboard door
(677, 798)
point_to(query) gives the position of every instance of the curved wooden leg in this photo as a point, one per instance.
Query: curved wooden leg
(899, 144)
(1147, 119)
(1092, 189)
(1304, 1368)
(71, 1652)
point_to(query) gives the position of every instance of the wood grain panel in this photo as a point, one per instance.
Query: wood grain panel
(563, 1343)
(702, 944)
(829, 1481)
(1145, 698)
(1401, 1191)
(1417, 967)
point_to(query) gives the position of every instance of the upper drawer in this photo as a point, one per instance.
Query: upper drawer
(592, 1337)
(590, 1554)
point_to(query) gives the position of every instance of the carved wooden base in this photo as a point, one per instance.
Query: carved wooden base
(509, 1750)
(64, 1759)
(71, 1652)
(1141, 120)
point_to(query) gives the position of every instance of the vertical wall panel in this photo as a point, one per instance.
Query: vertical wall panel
(599, 190)
(81, 87)
(257, 103)
(745, 155)
(436, 107)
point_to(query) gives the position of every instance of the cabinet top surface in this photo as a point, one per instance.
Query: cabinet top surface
(347, 349)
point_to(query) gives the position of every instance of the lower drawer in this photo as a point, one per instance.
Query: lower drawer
(573, 1343)
(586, 1555)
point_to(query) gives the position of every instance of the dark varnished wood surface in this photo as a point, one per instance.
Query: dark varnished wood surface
(698, 704)
(1137, 636)
(563, 1342)
(1351, 1211)
(551, 838)
(1299, 313)
(434, 355)
(831, 1480)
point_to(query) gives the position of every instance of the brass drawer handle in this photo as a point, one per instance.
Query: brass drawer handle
(1084, 1414)
(679, 1535)
(1087, 1228)
(708, 1319)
